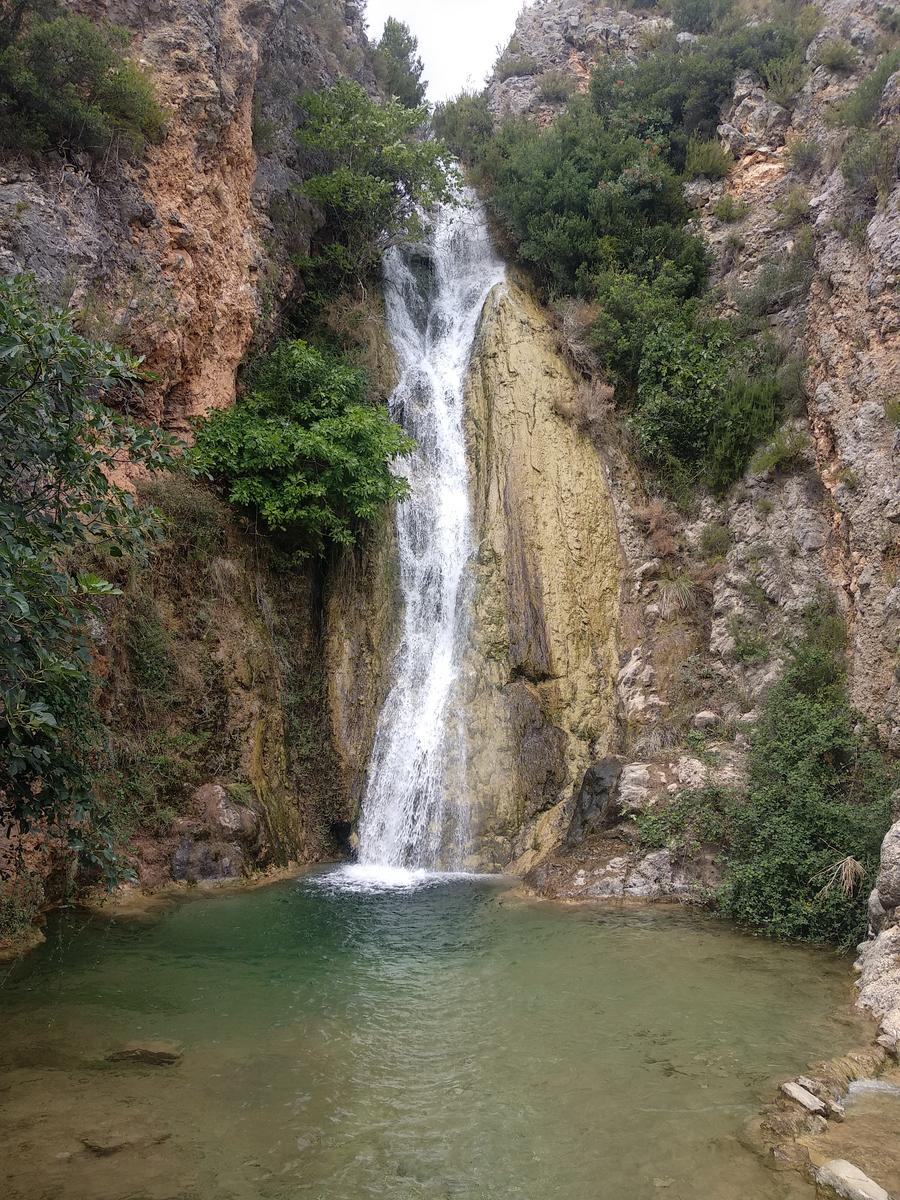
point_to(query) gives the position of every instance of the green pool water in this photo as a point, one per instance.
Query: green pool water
(441, 1042)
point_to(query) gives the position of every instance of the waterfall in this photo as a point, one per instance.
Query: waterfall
(435, 291)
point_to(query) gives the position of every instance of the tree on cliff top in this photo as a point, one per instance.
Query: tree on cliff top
(373, 172)
(398, 66)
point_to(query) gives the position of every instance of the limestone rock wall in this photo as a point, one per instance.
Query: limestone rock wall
(539, 684)
(187, 253)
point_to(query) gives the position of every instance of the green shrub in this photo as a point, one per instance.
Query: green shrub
(21, 898)
(697, 417)
(837, 55)
(465, 124)
(692, 819)
(630, 310)
(398, 67)
(699, 16)
(728, 210)
(707, 159)
(66, 85)
(61, 445)
(750, 643)
(803, 849)
(780, 284)
(580, 198)
(892, 410)
(512, 65)
(783, 78)
(303, 450)
(555, 86)
(715, 541)
(747, 414)
(785, 452)
(146, 643)
(889, 18)
(869, 165)
(793, 206)
(860, 109)
(804, 155)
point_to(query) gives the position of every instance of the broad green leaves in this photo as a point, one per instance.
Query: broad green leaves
(303, 450)
(59, 444)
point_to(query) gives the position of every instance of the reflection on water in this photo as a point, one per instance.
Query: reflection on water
(344, 1039)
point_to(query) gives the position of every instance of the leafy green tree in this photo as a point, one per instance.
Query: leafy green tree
(303, 450)
(378, 172)
(65, 84)
(59, 447)
(398, 67)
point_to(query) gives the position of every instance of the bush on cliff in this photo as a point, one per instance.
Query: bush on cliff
(65, 84)
(59, 445)
(303, 450)
(802, 846)
(372, 173)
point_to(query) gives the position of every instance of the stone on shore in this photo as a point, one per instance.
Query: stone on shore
(811, 1103)
(841, 1178)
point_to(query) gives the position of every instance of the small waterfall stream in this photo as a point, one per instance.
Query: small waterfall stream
(435, 292)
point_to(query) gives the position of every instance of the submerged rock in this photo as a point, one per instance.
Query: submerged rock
(154, 1054)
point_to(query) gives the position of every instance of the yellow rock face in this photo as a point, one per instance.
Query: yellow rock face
(539, 700)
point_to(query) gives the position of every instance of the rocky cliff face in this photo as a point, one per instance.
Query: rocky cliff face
(830, 522)
(538, 694)
(185, 255)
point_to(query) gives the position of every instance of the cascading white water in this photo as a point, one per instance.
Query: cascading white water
(435, 292)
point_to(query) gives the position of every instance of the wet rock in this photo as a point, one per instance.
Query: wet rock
(224, 815)
(837, 1177)
(197, 861)
(798, 1093)
(154, 1054)
(597, 805)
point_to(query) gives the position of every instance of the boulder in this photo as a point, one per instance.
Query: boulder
(224, 815)
(154, 1054)
(837, 1177)
(597, 803)
(798, 1093)
(196, 860)
(634, 787)
(707, 719)
(888, 882)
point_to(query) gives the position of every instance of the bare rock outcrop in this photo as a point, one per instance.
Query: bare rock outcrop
(539, 685)
(186, 253)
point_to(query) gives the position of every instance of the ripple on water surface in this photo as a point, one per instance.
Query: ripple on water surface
(416, 1037)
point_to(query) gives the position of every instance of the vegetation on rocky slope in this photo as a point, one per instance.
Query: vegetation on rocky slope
(65, 84)
(802, 844)
(303, 450)
(62, 440)
(594, 207)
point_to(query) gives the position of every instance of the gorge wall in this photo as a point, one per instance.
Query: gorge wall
(831, 522)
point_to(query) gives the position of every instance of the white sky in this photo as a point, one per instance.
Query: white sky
(458, 39)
